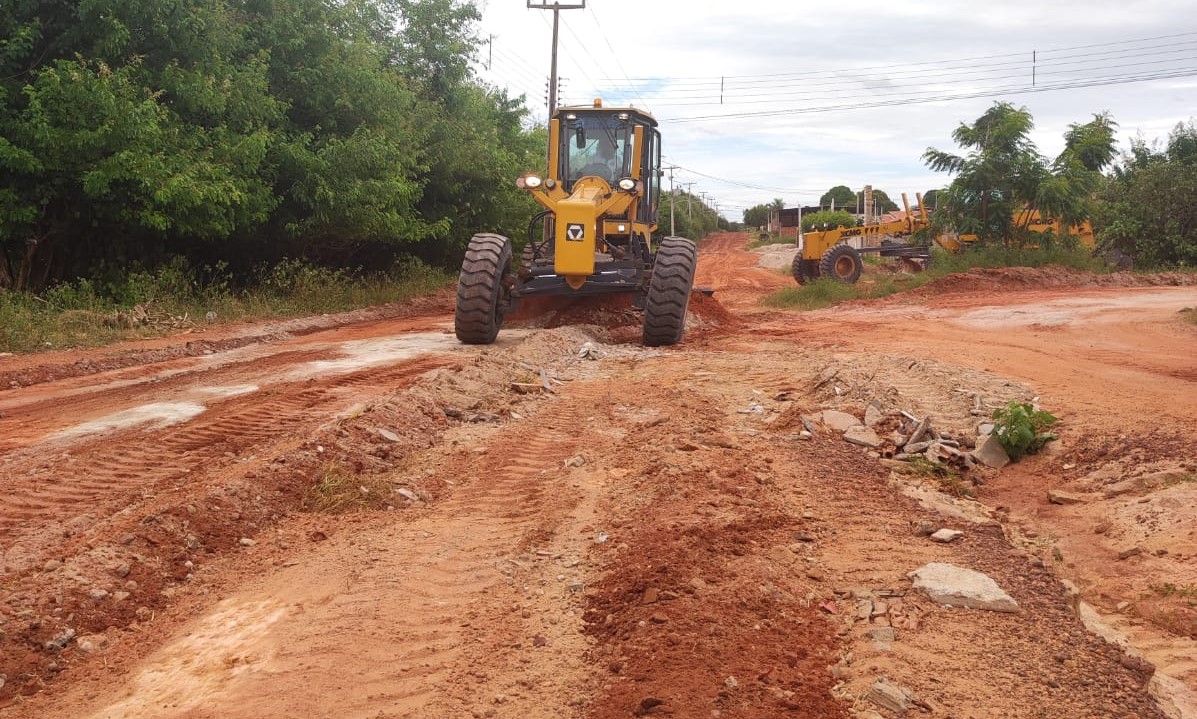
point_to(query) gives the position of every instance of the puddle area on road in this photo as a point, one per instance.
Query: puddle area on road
(156, 415)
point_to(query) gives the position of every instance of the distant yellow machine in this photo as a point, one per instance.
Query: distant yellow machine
(826, 253)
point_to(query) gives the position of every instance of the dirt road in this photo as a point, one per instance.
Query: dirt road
(650, 535)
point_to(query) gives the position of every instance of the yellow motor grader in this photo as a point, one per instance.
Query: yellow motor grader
(600, 195)
(826, 253)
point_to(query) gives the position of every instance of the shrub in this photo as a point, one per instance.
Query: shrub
(1020, 428)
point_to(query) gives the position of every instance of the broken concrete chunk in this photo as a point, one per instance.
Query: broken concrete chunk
(920, 430)
(991, 453)
(890, 696)
(960, 587)
(862, 436)
(945, 536)
(1059, 496)
(388, 435)
(838, 421)
(872, 415)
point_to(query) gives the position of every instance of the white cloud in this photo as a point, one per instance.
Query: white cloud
(776, 55)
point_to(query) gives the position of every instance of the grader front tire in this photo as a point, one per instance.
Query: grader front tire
(842, 264)
(669, 292)
(483, 289)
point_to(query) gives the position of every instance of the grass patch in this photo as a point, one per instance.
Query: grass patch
(89, 313)
(339, 491)
(990, 257)
(1168, 589)
(813, 295)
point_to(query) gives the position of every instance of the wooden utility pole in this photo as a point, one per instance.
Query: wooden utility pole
(556, 7)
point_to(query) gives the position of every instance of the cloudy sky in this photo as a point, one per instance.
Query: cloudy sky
(767, 98)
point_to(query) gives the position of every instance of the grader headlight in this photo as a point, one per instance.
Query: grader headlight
(528, 182)
(627, 184)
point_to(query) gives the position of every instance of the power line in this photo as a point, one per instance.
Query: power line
(1014, 90)
(897, 90)
(615, 55)
(1094, 62)
(929, 62)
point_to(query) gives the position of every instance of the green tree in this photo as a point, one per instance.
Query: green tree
(757, 215)
(1003, 173)
(884, 204)
(1147, 210)
(827, 219)
(841, 195)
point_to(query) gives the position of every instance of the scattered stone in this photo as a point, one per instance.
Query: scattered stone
(1059, 496)
(407, 494)
(920, 430)
(890, 696)
(1130, 552)
(120, 596)
(873, 415)
(126, 539)
(807, 423)
(51, 565)
(388, 435)
(805, 435)
(577, 461)
(839, 421)
(589, 352)
(143, 614)
(1127, 486)
(651, 596)
(991, 453)
(985, 429)
(60, 640)
(87, 645)
(916, 447)
(246, 542)
(98, 594)
(658, 618)
(648, 705)
(1103, 526)
(731, 683)
(960, 587)
(882, 634)
(698, 584)
(122, 570)
(924, 528)
(944, 536)
(862, 436)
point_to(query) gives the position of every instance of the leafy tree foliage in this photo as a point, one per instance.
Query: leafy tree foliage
(693, 217)
(827, 220)
(884, 204)
(757, 215)
(1004, 173)
(349, 132)
(841, 195)
(1148, 209)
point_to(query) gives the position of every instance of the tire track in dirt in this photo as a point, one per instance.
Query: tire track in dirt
(43, 495)
(391, 607)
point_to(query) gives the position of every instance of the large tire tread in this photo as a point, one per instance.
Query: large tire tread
(669, 292)
(835, 258)
(481, 304)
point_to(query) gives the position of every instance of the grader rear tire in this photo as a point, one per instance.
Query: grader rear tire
(804, 270)
(483, 289)
(841, 263)
(669, 292)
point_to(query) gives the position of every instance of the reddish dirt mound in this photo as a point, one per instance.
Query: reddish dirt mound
(980, 280)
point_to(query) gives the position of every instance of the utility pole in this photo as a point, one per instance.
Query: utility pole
(556, 7)
(689, 195)
(672, 204)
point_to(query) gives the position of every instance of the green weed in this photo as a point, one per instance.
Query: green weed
(1020, 428)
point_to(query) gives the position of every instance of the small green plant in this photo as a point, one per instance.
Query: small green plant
(1168, 589)
(1021, 429)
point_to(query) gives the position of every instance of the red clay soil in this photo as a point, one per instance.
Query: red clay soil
(545, 535)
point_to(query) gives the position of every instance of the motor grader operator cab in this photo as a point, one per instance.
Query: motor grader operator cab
(600, 196)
